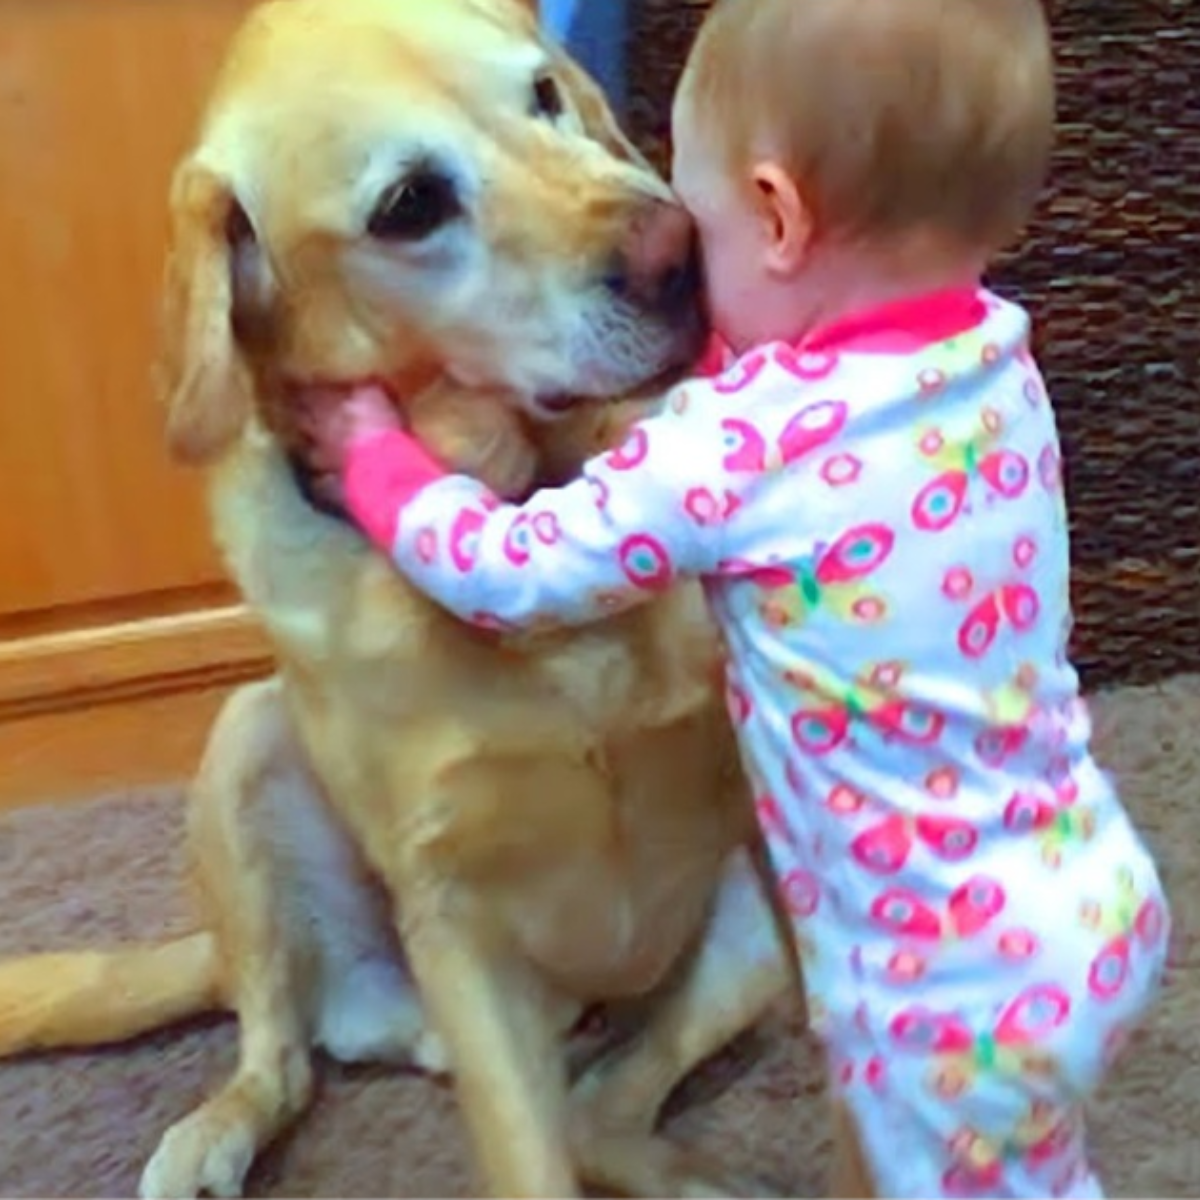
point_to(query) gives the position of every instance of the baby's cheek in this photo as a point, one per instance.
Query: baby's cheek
(725, 293)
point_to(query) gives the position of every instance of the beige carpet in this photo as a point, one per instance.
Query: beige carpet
(82, 1125)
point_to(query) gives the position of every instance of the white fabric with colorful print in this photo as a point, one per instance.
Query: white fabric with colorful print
(877, 514)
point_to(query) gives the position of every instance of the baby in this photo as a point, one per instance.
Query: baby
(867, 479)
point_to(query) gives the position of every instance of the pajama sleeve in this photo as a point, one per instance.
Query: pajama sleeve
(639, 517)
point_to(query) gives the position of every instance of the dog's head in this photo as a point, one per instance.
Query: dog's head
(411, 190)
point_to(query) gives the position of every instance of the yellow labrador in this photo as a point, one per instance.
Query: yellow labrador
(419, 842)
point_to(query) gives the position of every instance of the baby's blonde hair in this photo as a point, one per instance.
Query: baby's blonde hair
(894, 117)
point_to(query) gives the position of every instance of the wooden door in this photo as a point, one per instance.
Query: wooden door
(109, 586)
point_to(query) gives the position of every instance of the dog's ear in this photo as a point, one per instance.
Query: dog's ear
(594, 110)
(588, 97)
(216, 279)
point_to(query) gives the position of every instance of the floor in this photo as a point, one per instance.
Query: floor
(83, 1124)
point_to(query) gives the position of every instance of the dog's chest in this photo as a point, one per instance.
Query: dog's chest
(339, 613)
(325, 598)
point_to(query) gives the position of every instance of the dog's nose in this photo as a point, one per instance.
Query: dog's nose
(658, 265)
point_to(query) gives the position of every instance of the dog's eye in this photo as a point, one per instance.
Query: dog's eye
(414, 207)
(547, 99)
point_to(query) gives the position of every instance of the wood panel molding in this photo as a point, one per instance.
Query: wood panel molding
(119, 633)
(90, 711)
(81, 668)
(84, 753)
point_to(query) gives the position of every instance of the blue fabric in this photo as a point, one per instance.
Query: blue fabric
(596, 33)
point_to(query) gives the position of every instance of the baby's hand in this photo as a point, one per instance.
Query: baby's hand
(472, 433)
(331, 420)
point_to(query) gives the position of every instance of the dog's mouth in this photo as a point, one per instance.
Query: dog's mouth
(553, 406)
(305, 480)
(545, 408)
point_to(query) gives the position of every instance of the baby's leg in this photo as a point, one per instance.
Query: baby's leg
(979, 1089)
(921, 1124)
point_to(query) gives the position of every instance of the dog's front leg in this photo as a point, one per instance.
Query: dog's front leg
(251, 761)
(491, 1012)
(737, 973)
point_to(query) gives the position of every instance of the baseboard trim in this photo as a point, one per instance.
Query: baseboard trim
(85, 753)
(62, 672)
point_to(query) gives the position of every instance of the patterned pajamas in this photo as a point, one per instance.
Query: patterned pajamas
(877, 514)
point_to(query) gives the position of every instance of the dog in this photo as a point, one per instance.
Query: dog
(418, 842)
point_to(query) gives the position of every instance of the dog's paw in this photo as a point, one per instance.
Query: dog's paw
(199, 1157)
(429, 1054)
(639, 1164)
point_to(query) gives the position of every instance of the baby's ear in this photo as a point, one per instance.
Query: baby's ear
(476, 434)
(786, 219)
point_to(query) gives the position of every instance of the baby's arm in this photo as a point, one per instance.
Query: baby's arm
(632, 524)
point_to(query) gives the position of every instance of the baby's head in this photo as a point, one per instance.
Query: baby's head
(816, 136)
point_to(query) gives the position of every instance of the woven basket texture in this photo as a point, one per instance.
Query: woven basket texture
(1110, 269)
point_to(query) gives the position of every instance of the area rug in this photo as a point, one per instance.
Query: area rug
(83, 1124)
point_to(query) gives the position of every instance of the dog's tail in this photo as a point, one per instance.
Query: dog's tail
(89, 998)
